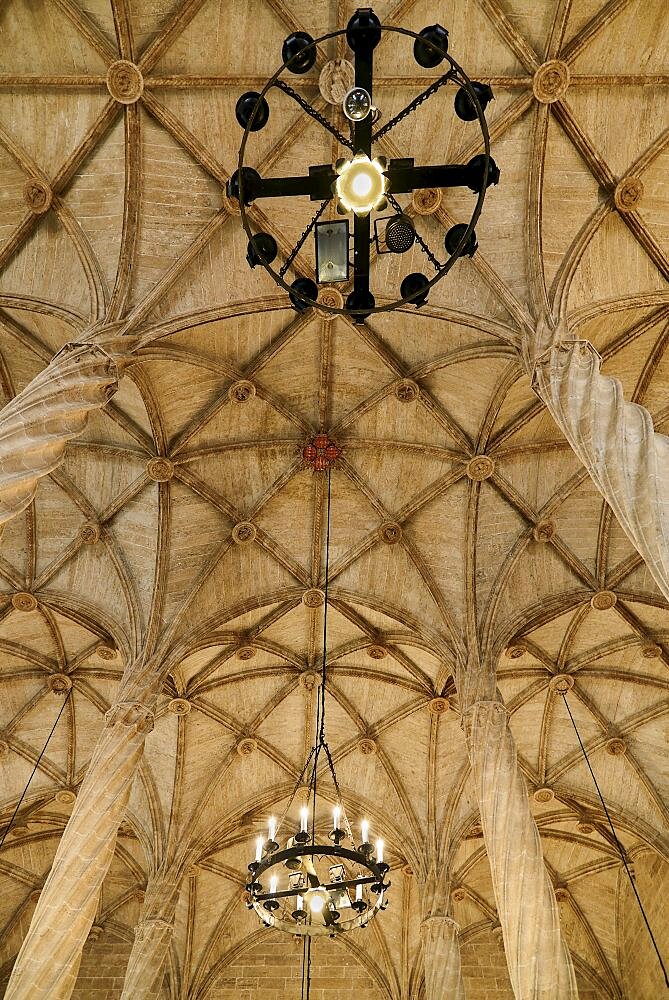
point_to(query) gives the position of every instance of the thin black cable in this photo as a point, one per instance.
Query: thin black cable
(321, 735)
(23, 793)
(618, 845)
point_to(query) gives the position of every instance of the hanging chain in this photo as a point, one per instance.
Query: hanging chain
(298, 246)
(417, 101)
(436, 264)
(316, 115)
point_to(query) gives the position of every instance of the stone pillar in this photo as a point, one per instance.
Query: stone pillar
(153, 936)
(539, 963)
(47, 964)
(439, 935)
(441, 958)
(616, 441)
(36, 425)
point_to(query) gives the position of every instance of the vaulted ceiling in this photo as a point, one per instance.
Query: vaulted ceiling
(124, 554)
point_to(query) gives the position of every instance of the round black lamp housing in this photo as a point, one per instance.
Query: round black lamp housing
(415, 284)
(250, 180)
(478, 163)
(425, 55)
(465, 108)
(299, 51)
(364, 29)
(261, 249)
(363, 304)
(455, 235)
(305, 287)
(245, 107)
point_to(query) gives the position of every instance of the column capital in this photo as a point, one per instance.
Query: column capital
(433, 920)
(492, 713)
(131, 715)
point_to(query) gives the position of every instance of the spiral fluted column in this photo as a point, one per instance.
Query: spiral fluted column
(47, 964)
(153, 936)
(439, 936)
(539, 963)
(616, 441)
(36, 425)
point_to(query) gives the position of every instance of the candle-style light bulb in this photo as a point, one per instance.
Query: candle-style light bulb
(304, 819)
(379, 851)
(272, 885)
(364, 827)
(358, 892)
(272, 828)
(336, 813)
(259, 843)
(300, 903)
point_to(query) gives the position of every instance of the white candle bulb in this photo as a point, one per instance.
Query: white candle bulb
(379, 851)
(336, 812)
(259, 843)
(272, 828)
(304, 818)
(272, 885)
(364, 826)
(300, 903)
(358, 892)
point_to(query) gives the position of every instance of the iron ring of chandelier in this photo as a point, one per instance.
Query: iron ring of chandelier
(267, 905)
(245, 176)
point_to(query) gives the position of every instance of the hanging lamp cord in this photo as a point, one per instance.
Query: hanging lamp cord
(618, 844)
(321, 744)
(37, 763)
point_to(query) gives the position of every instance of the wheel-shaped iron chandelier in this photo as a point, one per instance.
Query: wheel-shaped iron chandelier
(363, 183)
(318, 885)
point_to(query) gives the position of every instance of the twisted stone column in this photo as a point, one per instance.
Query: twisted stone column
(47, 964)
(153, 936)
(441, 958)
(539, 963)
(440, 940)
(36, 425)
(616, 441)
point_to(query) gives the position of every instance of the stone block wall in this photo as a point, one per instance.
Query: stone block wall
(102, 969)
(484, 970)
(273, 970)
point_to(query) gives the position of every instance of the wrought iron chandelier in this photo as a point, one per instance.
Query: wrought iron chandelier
(312, 887)
(363, 183)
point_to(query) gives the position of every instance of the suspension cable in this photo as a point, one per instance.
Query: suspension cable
(618, 844)
(23, 793)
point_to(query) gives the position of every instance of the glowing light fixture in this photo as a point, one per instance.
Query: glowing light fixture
(357, 104)
(316, 900)
(361, 184)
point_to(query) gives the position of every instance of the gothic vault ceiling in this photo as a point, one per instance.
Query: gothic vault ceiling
(140, 236)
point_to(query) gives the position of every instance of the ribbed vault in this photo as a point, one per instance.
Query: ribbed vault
(124, 553)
